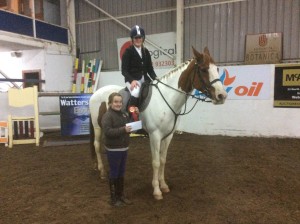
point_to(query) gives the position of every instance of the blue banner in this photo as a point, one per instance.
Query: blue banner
(75, 114)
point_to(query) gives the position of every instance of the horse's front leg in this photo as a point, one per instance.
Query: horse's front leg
(163, 158)
(98, 154)
(155, 147)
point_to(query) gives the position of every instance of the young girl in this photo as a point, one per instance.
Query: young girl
(116, 142)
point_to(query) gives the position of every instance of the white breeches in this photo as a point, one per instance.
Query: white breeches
(136, 91)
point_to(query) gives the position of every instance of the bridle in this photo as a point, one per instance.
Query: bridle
(206, 86)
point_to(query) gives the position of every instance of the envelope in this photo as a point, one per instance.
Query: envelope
(137, 125)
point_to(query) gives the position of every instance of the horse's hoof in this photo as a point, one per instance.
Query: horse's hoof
(158, 197)
(102, 176)
(95, 167)
(165, 190)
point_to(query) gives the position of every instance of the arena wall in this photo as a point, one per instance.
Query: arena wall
(237, 117)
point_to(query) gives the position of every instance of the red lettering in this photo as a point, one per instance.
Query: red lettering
(258, 88)
(241, 90)
(253, 90)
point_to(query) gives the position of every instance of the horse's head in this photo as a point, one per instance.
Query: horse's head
(202, 74)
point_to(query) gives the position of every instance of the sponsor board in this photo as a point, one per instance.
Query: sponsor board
(263, 48)
(160, 59)
(287, 86)
(249, 82)
(75, 114)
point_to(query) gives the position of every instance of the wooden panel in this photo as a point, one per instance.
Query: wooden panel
(3, 4)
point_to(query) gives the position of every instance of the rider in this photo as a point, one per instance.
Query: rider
(136, 63)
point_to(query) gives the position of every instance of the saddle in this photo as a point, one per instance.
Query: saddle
(144, 97)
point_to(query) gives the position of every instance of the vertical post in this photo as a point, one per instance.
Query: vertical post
(32, 9)
(179, 31)
(71, 25)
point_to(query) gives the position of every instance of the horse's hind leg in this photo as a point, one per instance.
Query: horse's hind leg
(98, 153)
(163, 158)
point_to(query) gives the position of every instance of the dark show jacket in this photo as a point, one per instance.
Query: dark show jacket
(113, 126)
(134, 67)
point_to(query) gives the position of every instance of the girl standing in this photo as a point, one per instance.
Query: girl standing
(116, 142)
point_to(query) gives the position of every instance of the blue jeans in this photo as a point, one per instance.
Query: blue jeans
(117, 163)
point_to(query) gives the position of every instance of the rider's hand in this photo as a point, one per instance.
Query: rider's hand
(134, 84)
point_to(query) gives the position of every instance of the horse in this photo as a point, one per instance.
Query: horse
(159, 119)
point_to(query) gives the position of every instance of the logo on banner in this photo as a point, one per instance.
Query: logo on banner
(252, 90)
(162, 57)
(124, 47)
(262, 40)
(291, 77)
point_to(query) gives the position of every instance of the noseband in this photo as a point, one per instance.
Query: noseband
(205, 86)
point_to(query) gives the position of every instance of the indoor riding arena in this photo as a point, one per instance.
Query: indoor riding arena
(220, 113)
(212, 179)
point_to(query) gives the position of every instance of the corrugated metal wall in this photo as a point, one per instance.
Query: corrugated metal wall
(221, 27)
(102, 35)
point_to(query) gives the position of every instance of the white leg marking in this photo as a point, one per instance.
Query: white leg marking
(155, 147)
(163, 158)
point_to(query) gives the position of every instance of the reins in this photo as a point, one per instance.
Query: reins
(186, 98)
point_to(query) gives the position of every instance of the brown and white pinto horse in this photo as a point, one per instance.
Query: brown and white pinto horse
(159, 119)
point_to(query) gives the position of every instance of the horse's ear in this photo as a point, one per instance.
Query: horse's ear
(206, 51)
(198, 56)
(196, 53)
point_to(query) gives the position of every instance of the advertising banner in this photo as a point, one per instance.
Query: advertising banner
(75, 114)
(287, 86)
(160, 60)
(263, 48)
(249, 82)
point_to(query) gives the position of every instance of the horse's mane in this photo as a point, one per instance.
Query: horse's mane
(175, 70)
(185, 69)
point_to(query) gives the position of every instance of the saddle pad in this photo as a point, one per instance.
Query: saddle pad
(144, 99)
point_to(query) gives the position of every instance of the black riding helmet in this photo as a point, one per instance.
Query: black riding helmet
(137, 31)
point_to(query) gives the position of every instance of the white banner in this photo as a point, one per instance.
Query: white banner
(166, 41)
(249, 82)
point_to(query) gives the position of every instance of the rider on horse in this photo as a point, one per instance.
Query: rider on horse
(136, 63)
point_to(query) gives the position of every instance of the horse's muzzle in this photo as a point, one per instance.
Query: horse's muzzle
(220, 98)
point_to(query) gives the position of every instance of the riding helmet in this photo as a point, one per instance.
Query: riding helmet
(137, 31)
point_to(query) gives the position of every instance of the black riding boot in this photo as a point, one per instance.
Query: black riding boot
(115, 201)
(133, 101)
(120, 191)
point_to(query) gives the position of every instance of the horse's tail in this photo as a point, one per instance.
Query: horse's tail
(92, 137)
(99, 134)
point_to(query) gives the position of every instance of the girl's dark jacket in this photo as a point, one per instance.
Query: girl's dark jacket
(134, 67)
(113, 125)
